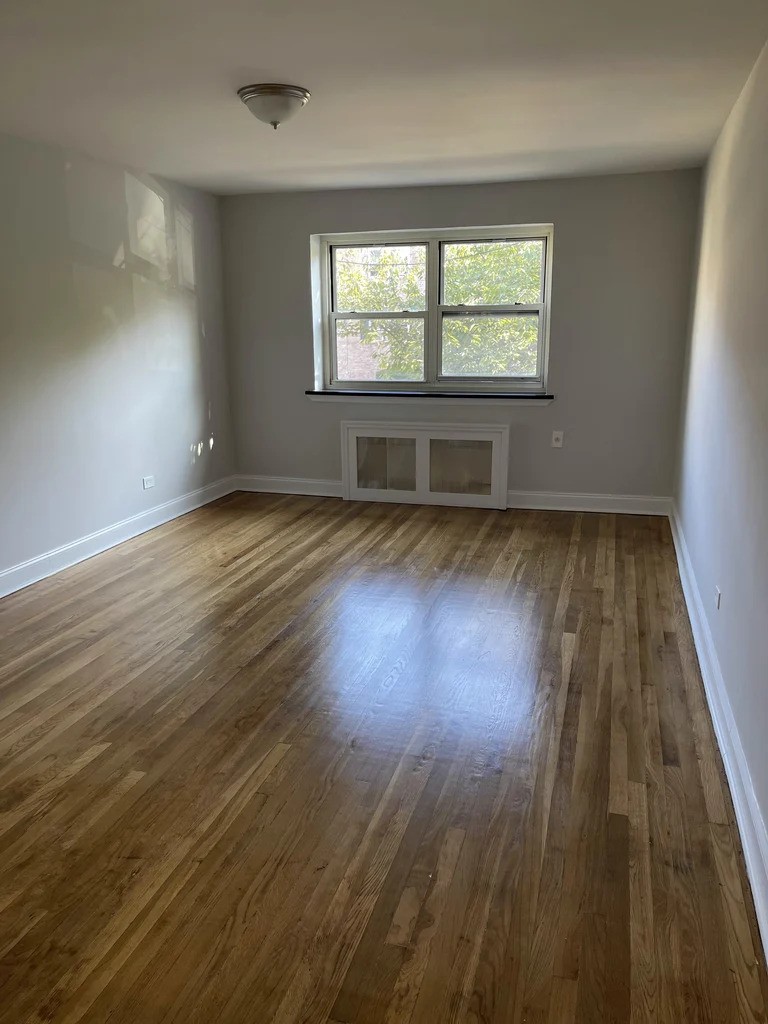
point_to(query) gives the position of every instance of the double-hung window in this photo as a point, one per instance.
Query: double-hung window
(461, 310)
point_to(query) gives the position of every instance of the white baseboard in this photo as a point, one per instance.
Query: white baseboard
(631, 504)
(34, 569)
(752, 828)
(289, 485)
(548, 500)
(50, 562)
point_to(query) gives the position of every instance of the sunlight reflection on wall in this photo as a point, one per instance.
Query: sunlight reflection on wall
(147, 228)
(111, 345)
(153, 251)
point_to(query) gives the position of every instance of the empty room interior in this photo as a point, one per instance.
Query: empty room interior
(384, 512)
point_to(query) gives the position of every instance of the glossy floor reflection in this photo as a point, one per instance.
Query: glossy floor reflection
(293, 759)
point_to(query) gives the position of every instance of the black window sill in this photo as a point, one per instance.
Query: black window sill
(490, 395)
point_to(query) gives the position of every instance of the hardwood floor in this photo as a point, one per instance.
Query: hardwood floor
(292, 759)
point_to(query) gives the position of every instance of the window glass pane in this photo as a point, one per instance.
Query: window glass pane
(386, 463)
(388, 349)
(460, 467)
(379, 278)
(490, 344)
(492, 273)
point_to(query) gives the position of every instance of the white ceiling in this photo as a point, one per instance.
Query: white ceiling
(403, 91)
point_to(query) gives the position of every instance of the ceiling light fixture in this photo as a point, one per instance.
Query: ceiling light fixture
(273, 103)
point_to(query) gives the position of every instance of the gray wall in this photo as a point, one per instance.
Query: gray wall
(723, 483)
(111, 367)
(621, 297)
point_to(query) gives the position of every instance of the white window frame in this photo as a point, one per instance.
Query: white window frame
(321, 252)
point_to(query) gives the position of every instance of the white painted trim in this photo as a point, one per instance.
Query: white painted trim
(631, 504)
(752, 827)
(545, 500)
(289, 485)
(422, 434)
(38, 568)
(22, 575)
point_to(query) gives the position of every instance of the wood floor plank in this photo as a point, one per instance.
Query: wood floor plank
(298, 760)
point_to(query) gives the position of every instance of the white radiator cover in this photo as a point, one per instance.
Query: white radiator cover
(424, 464)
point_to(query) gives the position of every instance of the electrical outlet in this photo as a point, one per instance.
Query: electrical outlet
(718, 595)
(147, 482)
(557, 438)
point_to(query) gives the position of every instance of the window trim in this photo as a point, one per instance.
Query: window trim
(321, 253)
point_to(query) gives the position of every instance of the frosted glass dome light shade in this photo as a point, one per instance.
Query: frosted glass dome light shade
(272, 103)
